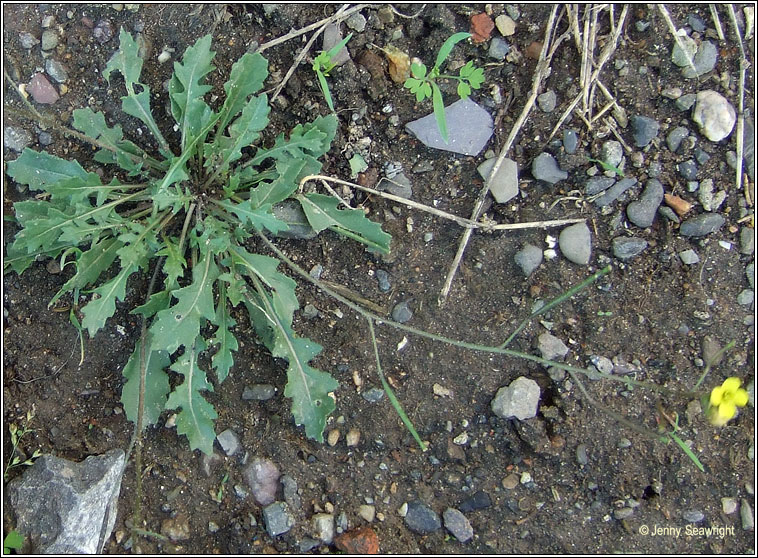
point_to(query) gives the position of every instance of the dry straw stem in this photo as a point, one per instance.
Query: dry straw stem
(741, 106)
(586, 51)
(462, 221)
(716, 22)
(541, 72)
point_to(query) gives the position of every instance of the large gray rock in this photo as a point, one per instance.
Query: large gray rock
(64, 507)
(520, 399)
(469, 128)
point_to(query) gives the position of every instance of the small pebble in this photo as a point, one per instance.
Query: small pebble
(278, 519)
(421, 519)
(675, 137)
(612, 153)
(373, 395)
(642, 212)
(729, 505)
(623, 513)
(528, 259)
(693, 516)
(458, 525)
(258, 392)
(323, 527)
(625, 248)
(352, 437)
(27, 40)
(714, 115)
(746, 515)
(367, 512)
(746, 297)
(49, 39)
(384, 280)
(16, 139)
(702, 224)
(401, 313)
(570, 141)
(41, 90)
(505, 25)
(581, 454)
(644, 129)
(498, 49)
(547, 101)
(229, 442)
(575, 242)
(688, 169)
(545, 168)
(103, 31)
(704, 61)
(511, 481)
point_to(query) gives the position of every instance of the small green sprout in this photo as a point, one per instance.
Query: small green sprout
(323, 64)
(12, 541)
(424, 85)
(17, 433)
(607, 166)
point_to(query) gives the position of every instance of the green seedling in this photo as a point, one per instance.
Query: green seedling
(323, 64)
(424, 84)
(607, 166)
(17, 433)
(184, 217)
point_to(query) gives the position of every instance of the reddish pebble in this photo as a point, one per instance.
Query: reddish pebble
(481, 27)
(534, 50)
(682, 207)
(41, 90)
(359, 541)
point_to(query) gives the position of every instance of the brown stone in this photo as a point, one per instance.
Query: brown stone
(481, 27)
(680, 206)
(41, 90)
(359, 541)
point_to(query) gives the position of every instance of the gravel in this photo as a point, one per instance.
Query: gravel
(612, 153)
(598, 184)
(625, 248)
(262, 476)
(528, 259)
(547, 101)
(498, 49)
(520, 399)
(689, 257)
(644, 129)
(56, 70)
(693, 516)
(41, 90)
(258, 392)
(458, 525)
(16, 139)
(688, 169)
(575, 243)
(229, 442)
(551, 347)
(401, 313)
(27, 40)
(504, 185)
(714, 115)
(570, 141)
(278, 519)
(702, 225)
(49, 39)
(545, 168)
(469, 126)
(704, 61)
(421, 519)
(614, 192)
(675, 137)
(642, 212)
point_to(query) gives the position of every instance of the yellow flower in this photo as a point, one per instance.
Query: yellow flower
(724, 401)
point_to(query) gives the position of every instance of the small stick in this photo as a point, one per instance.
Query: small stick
(716, 22)
(741, 108)
(311, 27)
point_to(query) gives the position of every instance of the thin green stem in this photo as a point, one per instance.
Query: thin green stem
(713, 359)
(557, 300)
(388, 390)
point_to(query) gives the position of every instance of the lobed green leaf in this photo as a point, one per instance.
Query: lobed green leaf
(38, 169)
(246, 78)
(156, 385)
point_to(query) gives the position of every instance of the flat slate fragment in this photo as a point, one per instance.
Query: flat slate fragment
(469, 128)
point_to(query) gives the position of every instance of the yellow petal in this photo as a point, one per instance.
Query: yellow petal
(731, 384)
(716, 395)
(740, 398)
(727, 410)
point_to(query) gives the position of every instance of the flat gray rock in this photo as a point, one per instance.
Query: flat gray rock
(469, 128)
(545, 168)
(642, 212)
(551, 347)
(704, 61)
(63, 507)
(614, 192)
(504, 186)
(520, 399)
(575, 243)
(702, 225)
(278, 519)
(644, 129)
(528, 259)
(458, 525)
(625, 248)
(421, 518)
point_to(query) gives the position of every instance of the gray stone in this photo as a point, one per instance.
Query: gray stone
(399, 185)
(696, 23)
(384, 280)
(547, 101)
(498, 49)
(702, 225)
(642, 212)
(504, 185)
(545, 168)
(704, 61)
(401, 312)
(551, 347)
(289, 488)
(45, 139)
(258, 392)
(64, 507)
(626, 248)
(615, 191)
(746, 297)
(332, 36)
(323, 527)
(709, 199)
(688, 169)
(469, 128)
(675, 137)
(623, 513)
(612, 153)
(747, 241)
(49, 39)
(668, 213)
(750, 274)
(729, 505)
(356, 22)
(701, 156)
(570, 141)
(27, 40)
(714, 115)
(746, 515)
(16, 139)
(689, 257)
(528, 259)
(644, 129)
(693, 516)
(421, 519)
(681, 57)
(581, 454)
(310, 311)
(685, 102)
(520, 399)
(103, 31)
(291, 212)
(278, 519)
(458, 525)
(748, 150)
(598, 184)
(373, 395)
(575, 243)
(262, 476)
(56, 70)
(229, 442)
